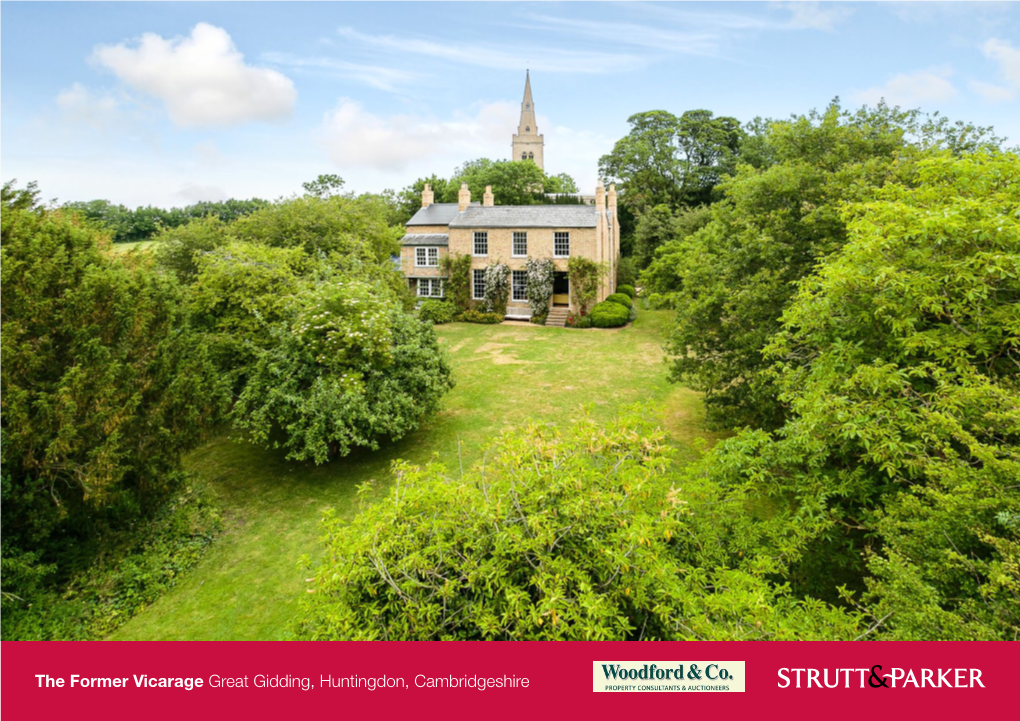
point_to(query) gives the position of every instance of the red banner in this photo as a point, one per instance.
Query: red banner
(176, 680)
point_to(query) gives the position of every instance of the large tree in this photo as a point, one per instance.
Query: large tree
(670, 160)
(104, 386)
(734, 277)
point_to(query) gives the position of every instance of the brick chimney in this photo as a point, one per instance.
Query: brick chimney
(463, 197)
(427, 196)
(487, 198)
(612, 197)
(600, 196)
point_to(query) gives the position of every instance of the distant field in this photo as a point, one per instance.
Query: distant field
(248, 585)
(132, 247)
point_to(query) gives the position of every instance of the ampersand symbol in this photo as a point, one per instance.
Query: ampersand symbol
(875, 677)
(694, 673)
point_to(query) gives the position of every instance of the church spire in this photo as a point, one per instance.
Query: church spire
(527, 143)
(528, 125)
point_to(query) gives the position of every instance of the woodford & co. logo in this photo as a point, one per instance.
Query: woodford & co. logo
(683, 676)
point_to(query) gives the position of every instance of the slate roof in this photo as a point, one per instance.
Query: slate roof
(425, 239)
(436, 214)
(526, 216)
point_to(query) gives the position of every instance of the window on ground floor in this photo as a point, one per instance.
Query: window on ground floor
(561, 245)
(478, 285)
(426, 257)
(520, 248)
(481, 246)
(430, 287)
(519, 285)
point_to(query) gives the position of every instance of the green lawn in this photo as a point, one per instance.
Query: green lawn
(249, 584)
(130, 247)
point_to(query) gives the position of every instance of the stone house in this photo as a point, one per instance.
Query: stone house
(510, 234)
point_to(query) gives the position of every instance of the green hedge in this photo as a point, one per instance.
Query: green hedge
(621, 298)
(628, 289)
(437, 311)
(608, 314)
(477, 316)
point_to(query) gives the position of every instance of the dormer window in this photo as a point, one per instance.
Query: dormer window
(527, 129)
(527, 106)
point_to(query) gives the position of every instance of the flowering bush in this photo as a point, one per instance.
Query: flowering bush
(540, 285)
(497, 288)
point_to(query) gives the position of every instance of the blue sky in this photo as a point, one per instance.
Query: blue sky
(170, 103)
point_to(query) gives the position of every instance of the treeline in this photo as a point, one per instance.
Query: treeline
(513, 182)
(846, 291)
(143, 223)
(290, 324)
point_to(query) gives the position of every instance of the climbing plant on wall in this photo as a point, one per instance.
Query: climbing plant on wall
(497, 288)
(539, 284)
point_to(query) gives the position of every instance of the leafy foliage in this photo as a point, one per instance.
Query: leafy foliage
(672, 161)
(609, 314)
(457, 268)
(437, 312)
(899, 362)
(349, 369)
(627, 289)
(561, 534)
(104, 389)
(477, 316)
(731, 280)
(585, 278)
(621, 298)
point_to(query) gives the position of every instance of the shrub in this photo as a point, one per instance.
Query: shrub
(609, 315)
(628, 290)
(539, 319)
(621, 298)
(562, 534)
(437, 311)
(349, 369)
(476, 316)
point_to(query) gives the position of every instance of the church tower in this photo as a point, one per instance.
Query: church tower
(527, 143)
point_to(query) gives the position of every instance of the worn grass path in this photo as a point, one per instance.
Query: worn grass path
(249, 585)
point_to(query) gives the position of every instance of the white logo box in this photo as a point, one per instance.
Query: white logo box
(667, 676)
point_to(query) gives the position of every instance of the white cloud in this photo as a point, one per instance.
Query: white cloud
(910, 89)
(202, 79)
(490, 55)
(356, 137)
(376, 76)
(991, 92)
(656, 38)
(389, 150)
(813, 15)
(1008, 58)
(192, 193)
(207, 153)
(79, 105)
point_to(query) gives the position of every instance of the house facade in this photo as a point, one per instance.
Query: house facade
(511, 234)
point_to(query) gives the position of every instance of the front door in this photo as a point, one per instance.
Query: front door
(561, 289)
